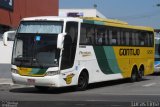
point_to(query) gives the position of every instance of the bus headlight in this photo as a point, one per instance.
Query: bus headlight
(52, 73)
(14, 71)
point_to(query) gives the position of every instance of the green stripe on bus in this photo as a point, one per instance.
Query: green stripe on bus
(102, 60)
(111, 58)
(38, 71)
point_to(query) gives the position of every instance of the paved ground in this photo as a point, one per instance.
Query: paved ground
(5, 70)
(119, 93)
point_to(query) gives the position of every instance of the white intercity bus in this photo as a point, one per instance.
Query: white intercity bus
(60, 52)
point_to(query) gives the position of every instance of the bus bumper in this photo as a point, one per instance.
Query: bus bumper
(49, 81)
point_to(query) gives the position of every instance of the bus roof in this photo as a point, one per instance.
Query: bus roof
(91, 20)
(51, 18)
(114, 23)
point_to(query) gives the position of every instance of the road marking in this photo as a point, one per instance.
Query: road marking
(150, 84)
(131, 94)
(97, 100)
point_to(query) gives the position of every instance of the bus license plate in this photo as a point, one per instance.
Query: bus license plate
(31, 81)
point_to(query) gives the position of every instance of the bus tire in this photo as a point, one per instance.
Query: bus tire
(41, 88)
(134, 75)
(140, 73)
(82, 81)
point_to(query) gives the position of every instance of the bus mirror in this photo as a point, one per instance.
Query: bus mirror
(6, 35)
(60, 40)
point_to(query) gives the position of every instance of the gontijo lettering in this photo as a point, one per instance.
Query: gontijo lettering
(129, 52)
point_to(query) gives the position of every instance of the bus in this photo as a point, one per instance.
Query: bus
(157, 55)
(66, 51)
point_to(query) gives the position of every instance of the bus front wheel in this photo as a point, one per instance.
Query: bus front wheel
(82, 81)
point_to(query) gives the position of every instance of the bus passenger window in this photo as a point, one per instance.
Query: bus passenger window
(87, 34)
(141, 39)
(133, 39)
(90, 36)
(114, 37)
(137, 41)
(83, 35)
(110, 37)
(127, 38)
(100, 38)
(146, 43)
(106, 37)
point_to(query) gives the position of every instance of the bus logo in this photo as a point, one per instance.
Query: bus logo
(85, 54)
(68, 79)
(129, 52)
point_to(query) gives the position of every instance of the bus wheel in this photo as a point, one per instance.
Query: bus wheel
(134, 75)
(82, 82)
(140, 74)
(42, 88)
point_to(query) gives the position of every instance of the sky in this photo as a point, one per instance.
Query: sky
(135, 12)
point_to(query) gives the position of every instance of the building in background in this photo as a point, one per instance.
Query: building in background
(12, 11)
(80, 13)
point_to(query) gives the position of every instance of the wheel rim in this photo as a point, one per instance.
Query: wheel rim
(82, 82)
(134, 76)
(140, 75)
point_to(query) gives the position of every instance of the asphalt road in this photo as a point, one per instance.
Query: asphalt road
(120, 93)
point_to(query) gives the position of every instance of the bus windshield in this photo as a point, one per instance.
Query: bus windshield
(36, 45)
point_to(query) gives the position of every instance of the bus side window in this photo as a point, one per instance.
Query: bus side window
(87, 34)
(99, 38)
(138, 41)
(151, 38)
(142, 38)
(149, 43)
(133, 39)
(90, 35)
(106, 37)
(110, 37)
(114, 37)
(100, 35)
(119, 37)
(127, 38)
(83, 35)
(122, 37)
(146, 42)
